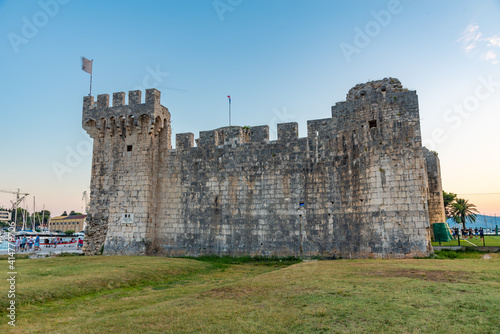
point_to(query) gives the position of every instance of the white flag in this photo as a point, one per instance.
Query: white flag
(87, 65)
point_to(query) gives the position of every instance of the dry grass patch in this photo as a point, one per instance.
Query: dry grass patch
(228, 292)
(428, 275)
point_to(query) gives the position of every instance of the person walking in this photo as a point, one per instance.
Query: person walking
(30, 243)
(37, 243)
(481, 234)
(23, 243)
(17, 244)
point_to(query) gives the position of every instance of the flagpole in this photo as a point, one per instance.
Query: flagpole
(230, 113)
(90, 94)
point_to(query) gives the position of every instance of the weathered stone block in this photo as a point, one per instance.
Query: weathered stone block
(288, 131)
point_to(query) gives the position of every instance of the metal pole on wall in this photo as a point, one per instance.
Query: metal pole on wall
(229, 98)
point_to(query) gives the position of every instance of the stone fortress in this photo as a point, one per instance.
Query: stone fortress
(360, 185)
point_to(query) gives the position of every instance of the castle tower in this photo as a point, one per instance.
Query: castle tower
(128, 141)
(383, 190)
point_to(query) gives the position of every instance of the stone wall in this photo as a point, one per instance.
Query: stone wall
(355, 186)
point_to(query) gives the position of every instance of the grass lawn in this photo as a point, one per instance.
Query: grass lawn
(164, 295)
(489, 240)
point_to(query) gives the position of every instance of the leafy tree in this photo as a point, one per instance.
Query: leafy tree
(20, 214)
(69, 232)
(448, 199)
(73, 213)
(463, 211)
(42, 216)
(64, 213)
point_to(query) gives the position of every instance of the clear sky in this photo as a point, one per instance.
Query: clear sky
(280, 60)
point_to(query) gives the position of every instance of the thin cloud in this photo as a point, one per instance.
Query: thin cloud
(474, 43)
(494, 41)
(491, 57)
(470, 36)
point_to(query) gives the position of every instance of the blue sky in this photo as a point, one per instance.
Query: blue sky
(280, 60)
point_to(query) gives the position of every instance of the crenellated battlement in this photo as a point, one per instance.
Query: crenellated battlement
(400, 105)
(120, 117)
(233, 136)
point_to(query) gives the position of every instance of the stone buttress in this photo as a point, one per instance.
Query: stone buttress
(435, 188)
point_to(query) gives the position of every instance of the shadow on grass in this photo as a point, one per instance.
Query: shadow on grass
(17, 256)
(260, 260)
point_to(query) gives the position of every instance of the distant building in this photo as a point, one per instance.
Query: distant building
(64, 223)
(5, 216)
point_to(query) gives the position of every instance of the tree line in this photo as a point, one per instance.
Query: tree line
(41, 217)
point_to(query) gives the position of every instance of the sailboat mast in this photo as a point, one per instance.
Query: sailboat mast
(33, 222)
(43, 216)
(15, 208)
(24, 214)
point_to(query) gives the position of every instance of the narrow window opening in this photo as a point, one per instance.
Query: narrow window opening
(129, 148)
(373, 124)
(216, 205)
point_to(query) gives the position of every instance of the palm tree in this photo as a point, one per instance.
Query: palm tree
(463, 211)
